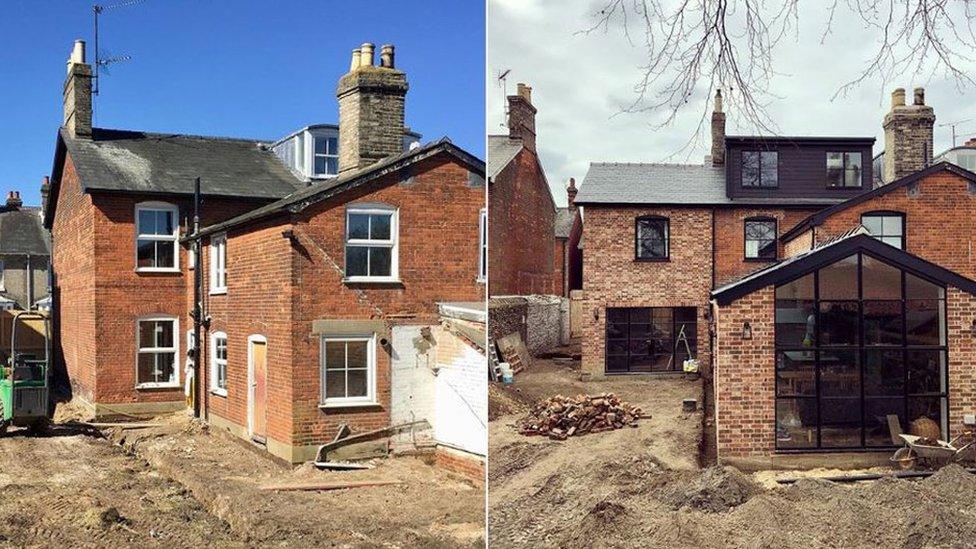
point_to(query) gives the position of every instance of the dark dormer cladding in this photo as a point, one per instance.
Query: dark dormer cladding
(797, 167)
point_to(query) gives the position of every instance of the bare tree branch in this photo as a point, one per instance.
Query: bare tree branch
(694, 46)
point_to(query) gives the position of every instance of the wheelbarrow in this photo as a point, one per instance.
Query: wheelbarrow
(921, 451)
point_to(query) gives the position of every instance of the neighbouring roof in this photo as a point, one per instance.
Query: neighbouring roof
(856, 240)
(501, 150)
(818, 217)
(21, 232)
(133, 161)
(316, 192)
(675, 184)
(564, 222)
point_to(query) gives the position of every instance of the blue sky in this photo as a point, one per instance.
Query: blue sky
(242, 68)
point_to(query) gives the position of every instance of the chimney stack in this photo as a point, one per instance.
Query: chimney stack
(371, 105)
(78, 94)
(908, 135)
(571, 191)
(521, 116)
(718, 131)
(13, 200)
(45, 192)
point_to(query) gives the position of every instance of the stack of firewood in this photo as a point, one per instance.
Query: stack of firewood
(561, 417)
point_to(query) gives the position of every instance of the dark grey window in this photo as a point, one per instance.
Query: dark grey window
(888, 227)
(860, 353)
(760, 238)
(843, 169)
(760, 169)
(650, 339)
(652, 238)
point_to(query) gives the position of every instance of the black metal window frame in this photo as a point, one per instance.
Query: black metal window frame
(888, 213)
(675, 328)
(761, 182)
(637, 237)
(861, 350)
(845, 168)
(745, 239)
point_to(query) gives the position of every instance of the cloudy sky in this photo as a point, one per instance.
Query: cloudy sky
(581, 82)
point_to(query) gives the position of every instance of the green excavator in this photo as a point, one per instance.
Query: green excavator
(24, 380)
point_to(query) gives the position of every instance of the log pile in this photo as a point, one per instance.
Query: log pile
(561, 417)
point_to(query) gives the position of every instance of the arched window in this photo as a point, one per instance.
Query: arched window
(651, 238)
(760, 238)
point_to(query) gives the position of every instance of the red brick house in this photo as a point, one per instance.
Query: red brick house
(830, 314)
(521, 261)
(567, 255)
(314, 252)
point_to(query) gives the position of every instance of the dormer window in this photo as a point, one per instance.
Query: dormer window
(326, 161)
(760, 169)
(843, 170)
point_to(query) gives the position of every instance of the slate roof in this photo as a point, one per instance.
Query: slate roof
(855, 240)
(133, 161)
(679, 184)
(564, 222)
(316, 192)
(21, 232)
(501, 150)
(640, 183)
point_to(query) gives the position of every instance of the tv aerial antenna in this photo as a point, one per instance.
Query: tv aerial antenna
(104, 59)
(953, 125)
(503, 84)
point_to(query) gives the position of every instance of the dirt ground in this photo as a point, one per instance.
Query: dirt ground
(644, 487)
(180, 485)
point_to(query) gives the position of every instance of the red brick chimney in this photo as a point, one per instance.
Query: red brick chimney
(571, 193)
(45, 192)
(521, 117)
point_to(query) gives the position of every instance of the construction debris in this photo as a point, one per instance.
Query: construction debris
(329, 485)
(561, 417)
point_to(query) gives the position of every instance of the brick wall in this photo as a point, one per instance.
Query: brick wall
(73, 261)
(287, 286)
(961, 312)
(520, 261)
(469, 466)
(612, 278)
(730, 262)
(744, 377)
(937, 210)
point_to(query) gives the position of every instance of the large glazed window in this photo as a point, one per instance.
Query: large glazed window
(651, 235)
(646, 339)
(860, 352)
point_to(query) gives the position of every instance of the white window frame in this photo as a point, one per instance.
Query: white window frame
(393, 243)
(315, 155)
(215, 364)
(156, 207)
(3, 276)
(483, 245)
(175, 350)
(218, 264)
(345, 402)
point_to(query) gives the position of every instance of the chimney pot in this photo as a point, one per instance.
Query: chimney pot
(366, 58)
(354, 66)
(898, 97)
(571, 191)
(525, 92)
(13, 199)
(718, 100)
(386, 56)
(919, 96)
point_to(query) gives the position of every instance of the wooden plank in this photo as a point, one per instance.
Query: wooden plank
(330, 485)
(576, 313)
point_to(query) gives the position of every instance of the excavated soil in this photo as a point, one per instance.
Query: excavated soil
(71, 490)
(643, 488)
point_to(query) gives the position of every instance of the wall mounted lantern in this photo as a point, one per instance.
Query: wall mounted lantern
(746, 330)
